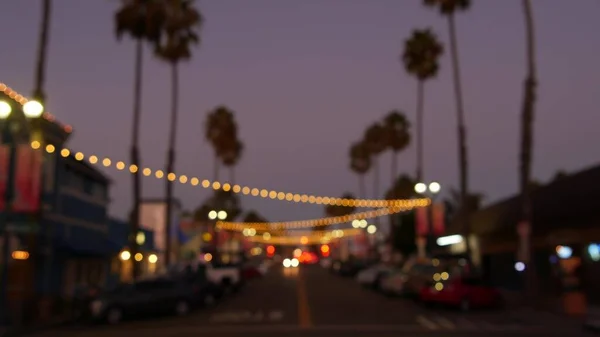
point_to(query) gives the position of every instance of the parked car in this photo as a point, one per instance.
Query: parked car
(419, 275)
(204, 291)
(393, 284)
(228, 276)
(143, 298)
(465, 292)
(352, 267)
(372, 276)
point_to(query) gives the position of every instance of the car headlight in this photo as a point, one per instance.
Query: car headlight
(287, 263)
(295, 262)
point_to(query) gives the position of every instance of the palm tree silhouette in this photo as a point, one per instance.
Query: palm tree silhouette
(220, 128)
(421, 59)
(398, 137)
(449, 8)
(527, 115)
(360, 163)
(231, 153)
(375, 141)
(142, 20)
(181, 24)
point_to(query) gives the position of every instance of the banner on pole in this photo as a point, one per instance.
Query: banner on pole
(422, 221)
(438, 219)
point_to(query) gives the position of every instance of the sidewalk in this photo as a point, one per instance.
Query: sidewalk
(29, 329)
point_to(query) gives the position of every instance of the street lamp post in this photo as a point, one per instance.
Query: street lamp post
(430, 190)
(215, 215)
(10, 132)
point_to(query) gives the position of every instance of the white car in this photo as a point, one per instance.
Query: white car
(394, 283)
(370, 276)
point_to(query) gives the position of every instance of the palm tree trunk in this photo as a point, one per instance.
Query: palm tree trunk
(376, 183)
(39, 94)
(171, 159)
(462, 132)
(135, 158)
(394, 171)
(420, 94)
(362, 188)
(40, 69)
(527, 117)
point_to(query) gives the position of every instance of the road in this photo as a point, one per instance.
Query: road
(309, 301)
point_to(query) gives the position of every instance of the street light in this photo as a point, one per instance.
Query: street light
(33, 109)
(214, 215)
(431, 189)
(221, 215)
(5, 110)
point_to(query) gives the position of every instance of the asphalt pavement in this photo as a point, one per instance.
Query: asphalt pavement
(310, 301)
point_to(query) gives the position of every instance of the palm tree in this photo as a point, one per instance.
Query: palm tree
(360, 163)
(402, 233)
(449, 8)
(421, 59)
(40, 70)
(527, 115)
(375, 140)
(219, 128)
(180, 33)
(143, 21)
(231, 155)
(398, 137)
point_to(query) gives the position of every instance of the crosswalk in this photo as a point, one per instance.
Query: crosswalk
(444, 323)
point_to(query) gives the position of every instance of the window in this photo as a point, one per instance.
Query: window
(76, 181)
(99, 191)
(49, 172)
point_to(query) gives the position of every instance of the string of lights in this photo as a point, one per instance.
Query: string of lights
(238, 189)
(216, 185)
(15, 96)
(322, 237)
(320, 222)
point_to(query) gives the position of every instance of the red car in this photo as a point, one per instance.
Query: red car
(465, 292)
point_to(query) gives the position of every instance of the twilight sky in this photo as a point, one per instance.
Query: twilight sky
(305, 79)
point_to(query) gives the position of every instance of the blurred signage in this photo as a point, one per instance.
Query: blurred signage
(422, 221)
(4, 157)
(27, 178)
(438, 218)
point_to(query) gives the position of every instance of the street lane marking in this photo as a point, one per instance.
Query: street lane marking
(426, 323)
(445, 323)
(304, 318)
